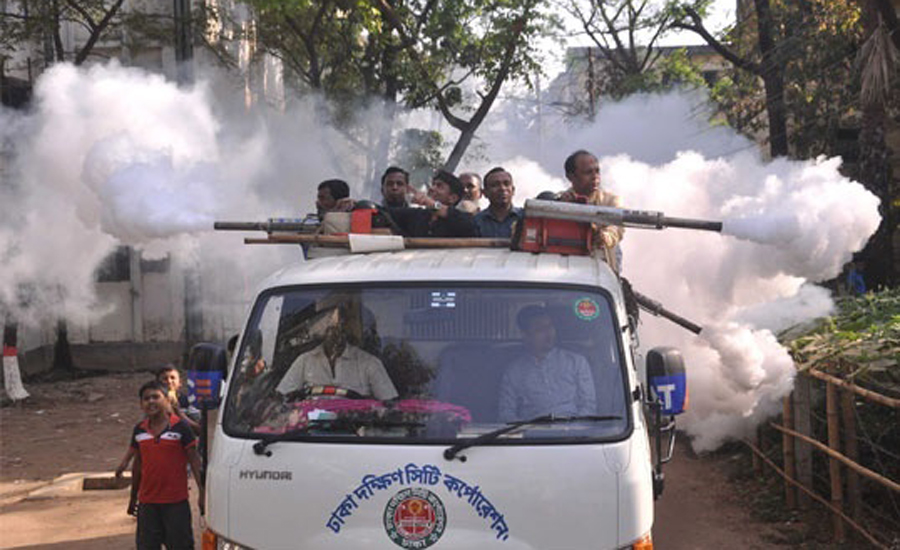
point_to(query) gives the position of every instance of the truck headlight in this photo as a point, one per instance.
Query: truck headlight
(212, 541)
(643, 543)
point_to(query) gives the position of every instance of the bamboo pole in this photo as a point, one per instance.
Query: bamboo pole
(834, 466)
(787, 446)
(803, 424)
(757, 463)
(868, 394)
(874, 476)
(818, 499)
(851, 449)
(343, 241)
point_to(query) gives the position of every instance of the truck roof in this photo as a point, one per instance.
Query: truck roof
(461, 264)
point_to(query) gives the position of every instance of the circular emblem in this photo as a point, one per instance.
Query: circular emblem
(587, 309)
(415, 518)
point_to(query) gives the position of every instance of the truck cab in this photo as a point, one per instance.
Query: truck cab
(448, 398)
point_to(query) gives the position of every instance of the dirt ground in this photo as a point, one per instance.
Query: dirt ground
(69, 428)
(63, 430)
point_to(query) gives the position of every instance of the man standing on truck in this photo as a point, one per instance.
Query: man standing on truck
(472, 185)
(496, 221)
(394, 187)
(440, 216)
(583, 172)
(546, 379)
(336, 362)
(329, 196)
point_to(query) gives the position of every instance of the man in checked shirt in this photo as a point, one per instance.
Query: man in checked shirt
(547, 379)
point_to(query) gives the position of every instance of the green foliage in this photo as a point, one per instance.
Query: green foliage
(37, 26)
(452, 55)
(860, 342)
(816, 42)
(419, 151)
(626, 56)
(28, 23)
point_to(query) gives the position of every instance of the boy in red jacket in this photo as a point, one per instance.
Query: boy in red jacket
(164, 445)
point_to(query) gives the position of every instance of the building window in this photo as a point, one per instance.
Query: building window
(160, 265)
(116, 267)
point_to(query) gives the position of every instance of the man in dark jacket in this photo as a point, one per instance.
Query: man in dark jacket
(439, 217)
(394, 187)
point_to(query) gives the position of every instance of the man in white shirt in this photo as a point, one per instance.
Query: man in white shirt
(338, 363)
(547, 379)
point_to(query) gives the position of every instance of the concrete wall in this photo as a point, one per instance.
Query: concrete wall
(163, 307)
(113, 356)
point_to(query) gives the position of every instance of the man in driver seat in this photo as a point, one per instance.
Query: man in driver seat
(336, 362)
(546, 379)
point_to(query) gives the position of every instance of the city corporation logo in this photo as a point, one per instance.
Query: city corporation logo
(415, 518)
(587, 309)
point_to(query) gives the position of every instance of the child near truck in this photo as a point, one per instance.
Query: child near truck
(164, 445)
(170, 378)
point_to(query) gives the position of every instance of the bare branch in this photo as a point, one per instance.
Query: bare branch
(314, 75)
(97, 32)
(84, 13)
(697, 27)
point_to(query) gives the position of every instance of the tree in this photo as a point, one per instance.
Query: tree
(626, 35)
(802, 52)
(834, 61)
(769, 66)
(44, 20)
(888, 16)
(878, 61)
(450, 55)
(418, 152)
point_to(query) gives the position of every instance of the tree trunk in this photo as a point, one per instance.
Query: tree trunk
(875, 174)
(62, 351)
(385, 128)
(12, 376)
(462, 143)
(773, 79)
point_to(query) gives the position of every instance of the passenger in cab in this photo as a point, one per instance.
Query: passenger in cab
(440, 216)
(546, 379)
(498, 219)
(337, 362)
(583, 172)
(394, 187)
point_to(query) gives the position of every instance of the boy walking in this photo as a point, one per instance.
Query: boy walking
(164, 445)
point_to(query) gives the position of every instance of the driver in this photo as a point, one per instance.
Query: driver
(546, 379)
(336, 362)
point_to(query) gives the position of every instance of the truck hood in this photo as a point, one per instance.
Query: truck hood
(377, 496)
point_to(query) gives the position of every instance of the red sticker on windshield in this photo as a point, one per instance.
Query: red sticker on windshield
(587, 309)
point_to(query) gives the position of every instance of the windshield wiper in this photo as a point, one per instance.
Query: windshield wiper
(261, 446)
(451, 452)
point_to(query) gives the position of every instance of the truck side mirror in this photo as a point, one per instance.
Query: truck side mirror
(207, 368)
(667, 380)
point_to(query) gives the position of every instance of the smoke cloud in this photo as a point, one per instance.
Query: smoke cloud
(113, 156)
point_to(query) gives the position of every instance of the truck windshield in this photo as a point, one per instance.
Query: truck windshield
(431, 364)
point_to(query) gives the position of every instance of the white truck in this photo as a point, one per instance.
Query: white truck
(478, 398)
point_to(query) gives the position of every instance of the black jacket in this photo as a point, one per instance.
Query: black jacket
(417, 222)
